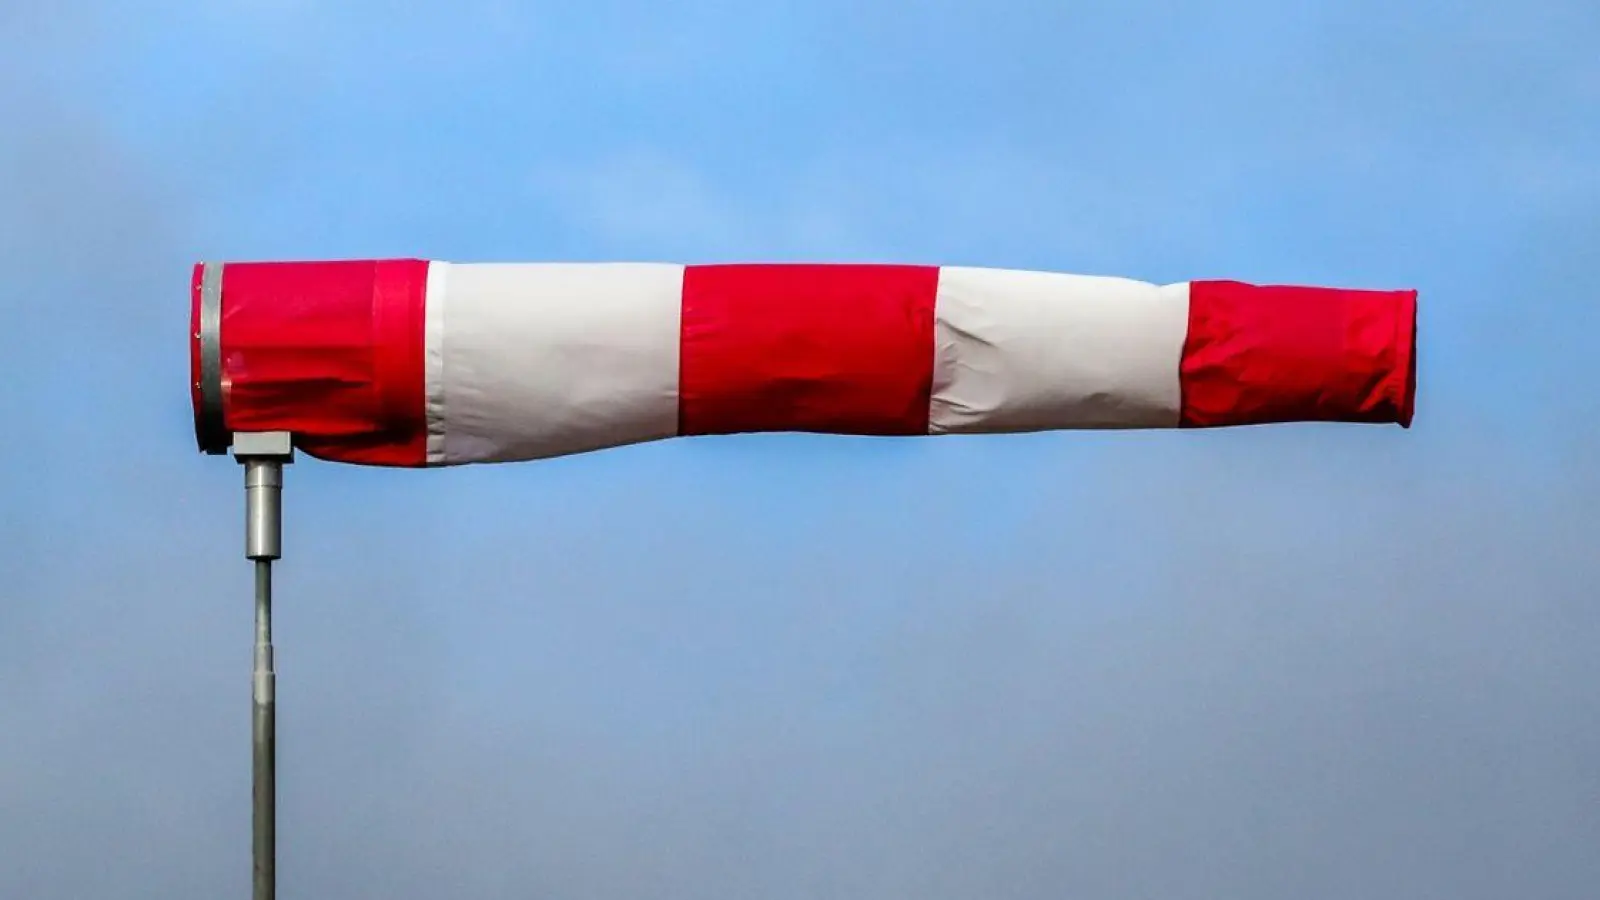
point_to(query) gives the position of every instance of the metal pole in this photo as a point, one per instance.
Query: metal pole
(263, 456)
(263, 735)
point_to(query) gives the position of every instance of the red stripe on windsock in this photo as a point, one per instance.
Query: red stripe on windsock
(820, 348)
(1265, 354)
(331, 351)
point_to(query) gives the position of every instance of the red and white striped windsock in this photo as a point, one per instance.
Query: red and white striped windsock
(417, 363)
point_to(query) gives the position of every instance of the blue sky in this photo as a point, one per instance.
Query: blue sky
(1317, 661)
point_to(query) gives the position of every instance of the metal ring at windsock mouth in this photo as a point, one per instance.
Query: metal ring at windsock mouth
(211, 432)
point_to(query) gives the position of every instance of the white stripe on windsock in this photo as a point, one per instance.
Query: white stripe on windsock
(1024, 351)
(547, 359)
(438, 287)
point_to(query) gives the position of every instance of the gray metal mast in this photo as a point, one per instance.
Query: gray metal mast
(263, 457)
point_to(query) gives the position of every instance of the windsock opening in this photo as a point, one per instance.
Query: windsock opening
(331, 352)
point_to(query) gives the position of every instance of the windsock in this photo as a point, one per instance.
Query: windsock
(408, 362)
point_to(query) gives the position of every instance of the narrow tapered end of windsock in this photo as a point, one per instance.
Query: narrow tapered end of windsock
(1261, 354)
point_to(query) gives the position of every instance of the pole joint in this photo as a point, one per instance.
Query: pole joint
(263, 455)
